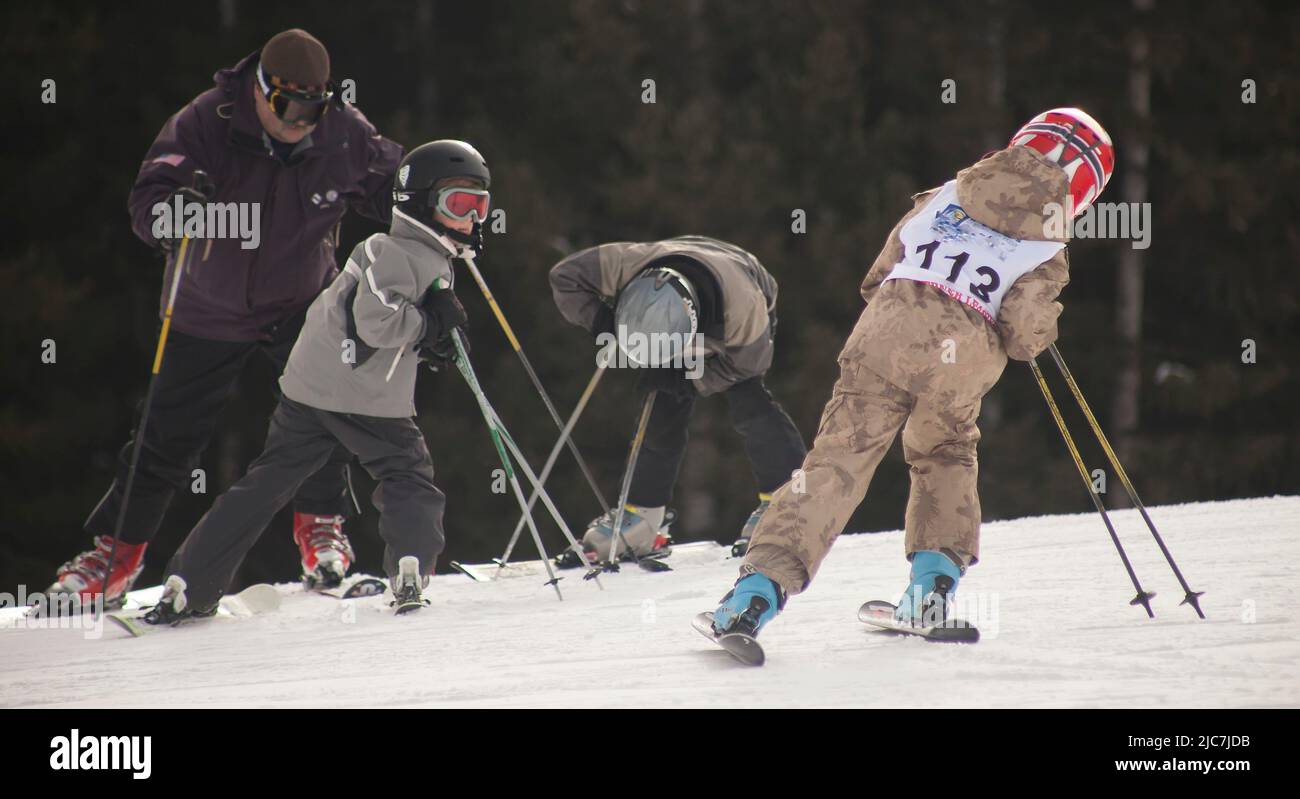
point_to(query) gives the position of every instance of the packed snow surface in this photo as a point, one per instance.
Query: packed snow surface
(1050, 596)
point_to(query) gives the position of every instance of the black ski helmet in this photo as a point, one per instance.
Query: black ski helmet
(427, 164)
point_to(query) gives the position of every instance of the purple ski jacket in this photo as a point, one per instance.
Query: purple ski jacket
(233, 294)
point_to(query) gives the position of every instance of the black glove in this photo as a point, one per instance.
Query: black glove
(443, 353)
(672, 382)
(200, 191)
(603, 322)
(442, 312)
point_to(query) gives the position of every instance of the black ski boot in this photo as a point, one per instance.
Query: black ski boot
(174, 608)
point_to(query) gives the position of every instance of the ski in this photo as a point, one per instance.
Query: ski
(651, 561)
(879, 613)
(252, 601)
(401, 608)
(740, 646)
(353, 589)
(701, 552)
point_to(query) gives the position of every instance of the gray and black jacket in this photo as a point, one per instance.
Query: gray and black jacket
(742, 350)
(356, 352)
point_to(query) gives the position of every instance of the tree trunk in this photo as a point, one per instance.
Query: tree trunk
(1134, 147)
(229, 10)
(425, 88)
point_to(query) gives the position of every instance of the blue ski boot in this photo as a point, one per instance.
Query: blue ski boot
(934, 580)
(741, 546)
(752, 603)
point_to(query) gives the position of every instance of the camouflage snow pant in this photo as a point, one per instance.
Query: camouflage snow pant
(859, 424)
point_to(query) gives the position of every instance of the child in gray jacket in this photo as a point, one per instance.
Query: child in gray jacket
(350, 382)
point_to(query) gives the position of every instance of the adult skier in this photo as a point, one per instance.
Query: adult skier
(350, 382)
(274, 139)
(966, 279)
(712, 306)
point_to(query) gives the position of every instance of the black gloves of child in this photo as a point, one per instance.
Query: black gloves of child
(442, 313)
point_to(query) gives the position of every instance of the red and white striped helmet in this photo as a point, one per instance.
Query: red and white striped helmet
(1079, 144)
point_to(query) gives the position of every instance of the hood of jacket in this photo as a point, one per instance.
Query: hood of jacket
(405, 226)
(1014, 191)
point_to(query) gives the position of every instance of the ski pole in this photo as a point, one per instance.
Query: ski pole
(555, 454)
(539, 491)
(198, 181)
(1143, 598)
(467, 371)
(532, 375)
(1191, 597)
(627, 485)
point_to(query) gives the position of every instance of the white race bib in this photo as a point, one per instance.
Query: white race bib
(974, 264)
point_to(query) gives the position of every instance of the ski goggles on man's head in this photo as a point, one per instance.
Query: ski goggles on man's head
(294, 106)
(459, 203)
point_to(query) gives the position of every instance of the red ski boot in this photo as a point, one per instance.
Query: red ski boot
(326, 552)
(82, 578)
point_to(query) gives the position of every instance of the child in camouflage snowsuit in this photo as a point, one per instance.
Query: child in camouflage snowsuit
(967, 278)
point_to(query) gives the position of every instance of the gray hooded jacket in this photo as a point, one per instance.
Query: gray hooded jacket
(582, 281)
(356, 352)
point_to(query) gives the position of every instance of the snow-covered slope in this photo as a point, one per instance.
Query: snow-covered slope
(1050, 596)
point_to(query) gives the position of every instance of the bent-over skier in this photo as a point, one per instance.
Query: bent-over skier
(705, 297)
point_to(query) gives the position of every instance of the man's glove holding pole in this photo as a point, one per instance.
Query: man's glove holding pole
(201, 191)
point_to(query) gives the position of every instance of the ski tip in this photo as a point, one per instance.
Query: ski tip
(260, 597)
(871, 609)
(703, 622)
(131, 626)
(366, 586)
(880, 615)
